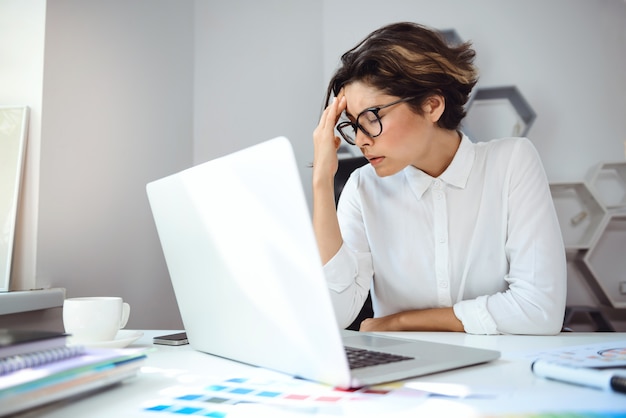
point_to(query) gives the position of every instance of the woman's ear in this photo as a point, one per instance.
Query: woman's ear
(433, 107)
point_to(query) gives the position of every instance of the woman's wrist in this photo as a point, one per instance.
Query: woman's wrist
(323, 182)
(435, 319)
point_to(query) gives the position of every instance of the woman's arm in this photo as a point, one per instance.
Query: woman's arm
(436, 319)
(348, 289)
(534, 302)
(325, 163)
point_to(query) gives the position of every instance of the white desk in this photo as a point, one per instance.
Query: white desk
(511, 386)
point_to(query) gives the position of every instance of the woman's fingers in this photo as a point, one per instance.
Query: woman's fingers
(336, 108)
(330, 117)
(325, 142)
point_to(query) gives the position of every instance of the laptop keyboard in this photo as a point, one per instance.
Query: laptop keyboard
(358, 357)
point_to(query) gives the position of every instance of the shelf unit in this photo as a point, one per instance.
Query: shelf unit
(580, 214)
(451, 37)
(592, 216)
(609, 182)
(30, 300)
(497, 112)
(605, 261)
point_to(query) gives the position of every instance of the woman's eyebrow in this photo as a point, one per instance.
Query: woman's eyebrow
(349, 115)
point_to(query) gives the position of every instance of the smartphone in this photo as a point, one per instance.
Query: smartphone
(179, 338)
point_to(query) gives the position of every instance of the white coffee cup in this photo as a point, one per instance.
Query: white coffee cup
(93, 319)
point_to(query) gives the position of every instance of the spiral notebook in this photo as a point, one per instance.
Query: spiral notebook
(82, 374)
(38, 358)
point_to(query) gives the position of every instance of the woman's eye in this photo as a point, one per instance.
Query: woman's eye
(370, 118)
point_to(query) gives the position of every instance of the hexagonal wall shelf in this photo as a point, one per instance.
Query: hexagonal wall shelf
(609, 182)
(606, 259)
(451, 37)
(579, 212)
(497, 112)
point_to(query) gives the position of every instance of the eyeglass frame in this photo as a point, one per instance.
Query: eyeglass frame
(375, 109)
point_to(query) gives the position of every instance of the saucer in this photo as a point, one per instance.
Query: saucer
(121, 340)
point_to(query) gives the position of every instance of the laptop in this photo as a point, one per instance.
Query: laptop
(239, 245)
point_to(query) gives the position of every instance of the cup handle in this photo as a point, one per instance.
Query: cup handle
(125, 314)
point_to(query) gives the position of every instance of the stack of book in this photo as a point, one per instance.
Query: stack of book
(38, 367)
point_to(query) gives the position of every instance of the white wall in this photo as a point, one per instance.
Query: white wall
(22, 33)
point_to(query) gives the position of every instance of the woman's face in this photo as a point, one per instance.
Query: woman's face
(406, 138)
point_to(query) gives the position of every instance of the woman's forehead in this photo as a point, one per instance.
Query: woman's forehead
(360, 96)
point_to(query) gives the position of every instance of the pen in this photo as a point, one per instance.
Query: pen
(610, 380)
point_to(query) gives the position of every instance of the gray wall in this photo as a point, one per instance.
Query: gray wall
(258, 75)
(567, 57)
(118, 113)
(135, 90)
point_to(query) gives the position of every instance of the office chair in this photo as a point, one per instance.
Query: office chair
(346, 167)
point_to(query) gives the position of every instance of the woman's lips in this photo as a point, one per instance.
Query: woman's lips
(375, 160)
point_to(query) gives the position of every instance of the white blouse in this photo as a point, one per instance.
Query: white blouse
(483, 238)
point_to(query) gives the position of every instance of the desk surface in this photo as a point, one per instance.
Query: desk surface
(503, 387)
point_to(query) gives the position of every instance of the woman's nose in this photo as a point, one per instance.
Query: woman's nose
(361, 140)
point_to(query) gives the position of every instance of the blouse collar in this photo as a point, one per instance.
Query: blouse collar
(455, 175)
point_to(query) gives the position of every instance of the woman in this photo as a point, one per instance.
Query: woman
(449, 235)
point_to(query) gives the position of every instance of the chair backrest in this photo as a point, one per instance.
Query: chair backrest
(346, 167)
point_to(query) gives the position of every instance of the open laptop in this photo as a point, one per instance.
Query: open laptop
(240, 249)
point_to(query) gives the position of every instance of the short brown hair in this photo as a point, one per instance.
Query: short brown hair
(410, 60)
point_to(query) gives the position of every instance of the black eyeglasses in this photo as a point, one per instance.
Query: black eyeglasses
(368, 121)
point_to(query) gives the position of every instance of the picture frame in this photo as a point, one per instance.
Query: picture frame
(13, 138)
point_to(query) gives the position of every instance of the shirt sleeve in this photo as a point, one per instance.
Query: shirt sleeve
(349, 273)
(534, 302)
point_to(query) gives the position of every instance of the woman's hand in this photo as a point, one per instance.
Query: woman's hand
(385, 323)
(326, 144)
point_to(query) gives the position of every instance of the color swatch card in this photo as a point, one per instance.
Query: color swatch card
(275, 393)
(603, 355)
